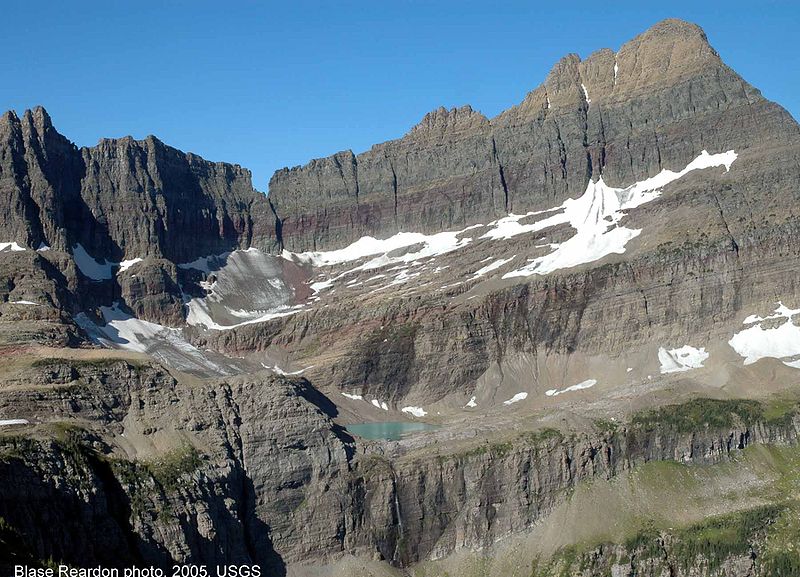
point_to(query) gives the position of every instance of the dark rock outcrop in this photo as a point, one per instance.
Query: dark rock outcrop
(122, 198)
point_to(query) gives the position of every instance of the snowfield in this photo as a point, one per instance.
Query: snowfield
(595, 218)
(582, 385)
(682, 359)
(516, 398)
(120, 330)
(98, 270)
(778, 340)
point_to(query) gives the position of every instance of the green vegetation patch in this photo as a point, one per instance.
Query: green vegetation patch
(698, 414)
(166, 471)
(709, 544)
(721, 537)
(781, 564)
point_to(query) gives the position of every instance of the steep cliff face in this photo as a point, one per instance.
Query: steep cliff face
(656, 103)
(149, 469)
(714, 246)
(122, 199)
(140, 203)
(154, 470)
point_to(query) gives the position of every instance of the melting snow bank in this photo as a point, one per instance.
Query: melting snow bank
(250, 286)
(429, 245)
(516, 398)
(125, 332)
(595, 216)
(582, 385)
(492, 266)
(7, 422)
(779, 339)
(98, 270)
(683, 359)
(416, 411)
(10, 247)
(200, 315)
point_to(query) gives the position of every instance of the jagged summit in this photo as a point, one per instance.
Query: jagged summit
(666, 54)
(656, 103)
(442, 122)
(121, 198)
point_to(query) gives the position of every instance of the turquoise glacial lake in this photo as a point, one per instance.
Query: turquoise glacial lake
(392, 431)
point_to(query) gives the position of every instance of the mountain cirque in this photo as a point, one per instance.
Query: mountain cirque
(182, 354)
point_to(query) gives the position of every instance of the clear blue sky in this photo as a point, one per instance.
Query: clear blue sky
(273, 84)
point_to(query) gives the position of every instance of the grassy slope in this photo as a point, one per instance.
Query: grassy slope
(709, 510)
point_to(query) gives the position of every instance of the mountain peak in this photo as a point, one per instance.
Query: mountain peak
(39, 118)
(675, 27)
(666, 54)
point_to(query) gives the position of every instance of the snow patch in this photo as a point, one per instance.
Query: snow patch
(516, 398)
(781, 311)
(43, 247)
(416, 411)
(432, 245)
(279, 371)
(126, 264)
(380, 405)
(24, 303)
(206, 263)
(492, 266)
(353, 397)
(125, 332)
(321, 285)
(582, 385)
(247, 288)
(595, 216)
(682, 359)
(98, 270)
(89, 266)
(199, 315)
(779, 342)
(7, 422)
(586, 94)
(10, 247)
(471, 403)
(384, 253)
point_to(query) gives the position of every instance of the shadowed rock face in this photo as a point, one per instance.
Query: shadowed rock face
(656, 103)
(123, 198)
